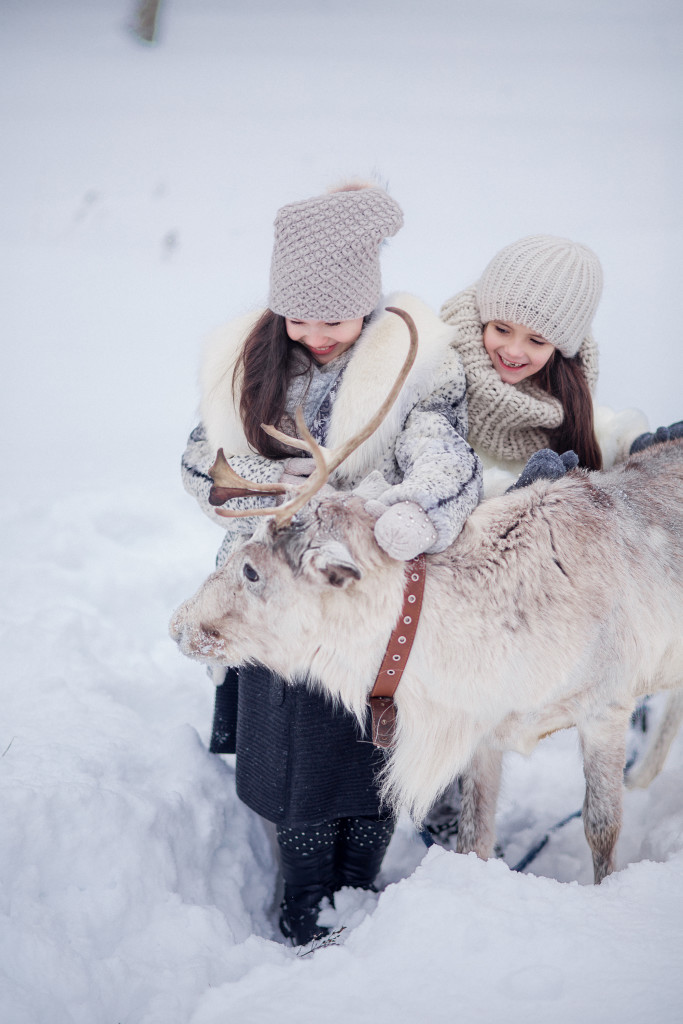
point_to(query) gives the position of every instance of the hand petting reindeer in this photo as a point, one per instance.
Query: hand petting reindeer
(558, 605)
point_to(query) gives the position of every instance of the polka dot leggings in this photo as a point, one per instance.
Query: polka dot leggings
(363, 833)
(348, 851)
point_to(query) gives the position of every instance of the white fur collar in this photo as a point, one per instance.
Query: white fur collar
(216, 407)
(377, 358)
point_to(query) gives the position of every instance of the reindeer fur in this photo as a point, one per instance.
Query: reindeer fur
(559, 605)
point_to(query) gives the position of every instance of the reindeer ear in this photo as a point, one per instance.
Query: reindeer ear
(335, 562)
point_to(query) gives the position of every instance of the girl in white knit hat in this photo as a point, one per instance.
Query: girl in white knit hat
(523, 333)
(327, 344)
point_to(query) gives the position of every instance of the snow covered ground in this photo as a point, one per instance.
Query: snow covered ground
(140, 185)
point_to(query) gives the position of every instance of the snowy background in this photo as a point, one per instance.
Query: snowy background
(139, 188)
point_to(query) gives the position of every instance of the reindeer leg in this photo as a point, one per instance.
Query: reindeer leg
(480, 785)
(603, 742)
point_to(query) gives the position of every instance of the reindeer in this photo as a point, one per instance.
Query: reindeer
(559, 605)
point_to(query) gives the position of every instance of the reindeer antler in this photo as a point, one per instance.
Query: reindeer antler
(227, 482)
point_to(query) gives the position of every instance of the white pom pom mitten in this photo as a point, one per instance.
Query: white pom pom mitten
(405, 531)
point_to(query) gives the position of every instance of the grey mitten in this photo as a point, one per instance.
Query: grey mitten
(289, 480)
(669, 433)
(404, 530)
(296, 470)
(545, 465)
(299, 466)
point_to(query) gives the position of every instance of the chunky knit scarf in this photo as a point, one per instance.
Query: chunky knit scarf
(508, 421)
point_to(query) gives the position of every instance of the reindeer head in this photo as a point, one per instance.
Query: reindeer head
(288, 591)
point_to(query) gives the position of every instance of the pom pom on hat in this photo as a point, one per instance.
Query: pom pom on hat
(548, 284)
(325, 263)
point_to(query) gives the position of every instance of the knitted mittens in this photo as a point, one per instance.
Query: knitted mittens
(545, 465)
(295, 469)
(404, 530)
(669, 433)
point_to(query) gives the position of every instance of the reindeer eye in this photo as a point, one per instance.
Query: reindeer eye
(250, 572)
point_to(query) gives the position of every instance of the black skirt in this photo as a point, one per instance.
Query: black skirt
(300, 760)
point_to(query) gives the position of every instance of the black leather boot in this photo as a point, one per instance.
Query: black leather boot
(360, 851)
(299, 913)
(308, 881)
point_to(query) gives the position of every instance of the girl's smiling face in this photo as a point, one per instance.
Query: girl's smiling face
(325, 341)
(515, 351)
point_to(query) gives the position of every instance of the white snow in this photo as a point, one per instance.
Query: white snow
(139, 188)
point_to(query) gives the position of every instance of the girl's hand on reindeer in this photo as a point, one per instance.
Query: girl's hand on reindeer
(661, 434)
(299, 466)
(289, 480)
(295, 482)
(545, 465)
(404, 530)
(295, 471)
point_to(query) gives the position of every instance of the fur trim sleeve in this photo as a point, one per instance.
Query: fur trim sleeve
(441, 472)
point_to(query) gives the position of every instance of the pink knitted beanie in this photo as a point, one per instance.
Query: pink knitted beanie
(325, 263)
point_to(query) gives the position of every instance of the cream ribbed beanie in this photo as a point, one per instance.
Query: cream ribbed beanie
(325, 263)
(551, 285)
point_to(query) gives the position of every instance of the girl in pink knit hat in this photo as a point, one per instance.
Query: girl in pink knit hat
(326, 343)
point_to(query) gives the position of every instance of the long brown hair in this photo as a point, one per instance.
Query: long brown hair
(565, 380)
(263, 373)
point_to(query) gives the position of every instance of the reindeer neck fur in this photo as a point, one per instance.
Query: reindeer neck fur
(354, 622)
(527, 566)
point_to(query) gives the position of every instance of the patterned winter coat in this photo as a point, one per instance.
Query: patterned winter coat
(299, 761)
(420, 447)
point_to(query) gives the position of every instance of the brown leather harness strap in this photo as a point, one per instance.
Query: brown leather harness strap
(381, 698)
